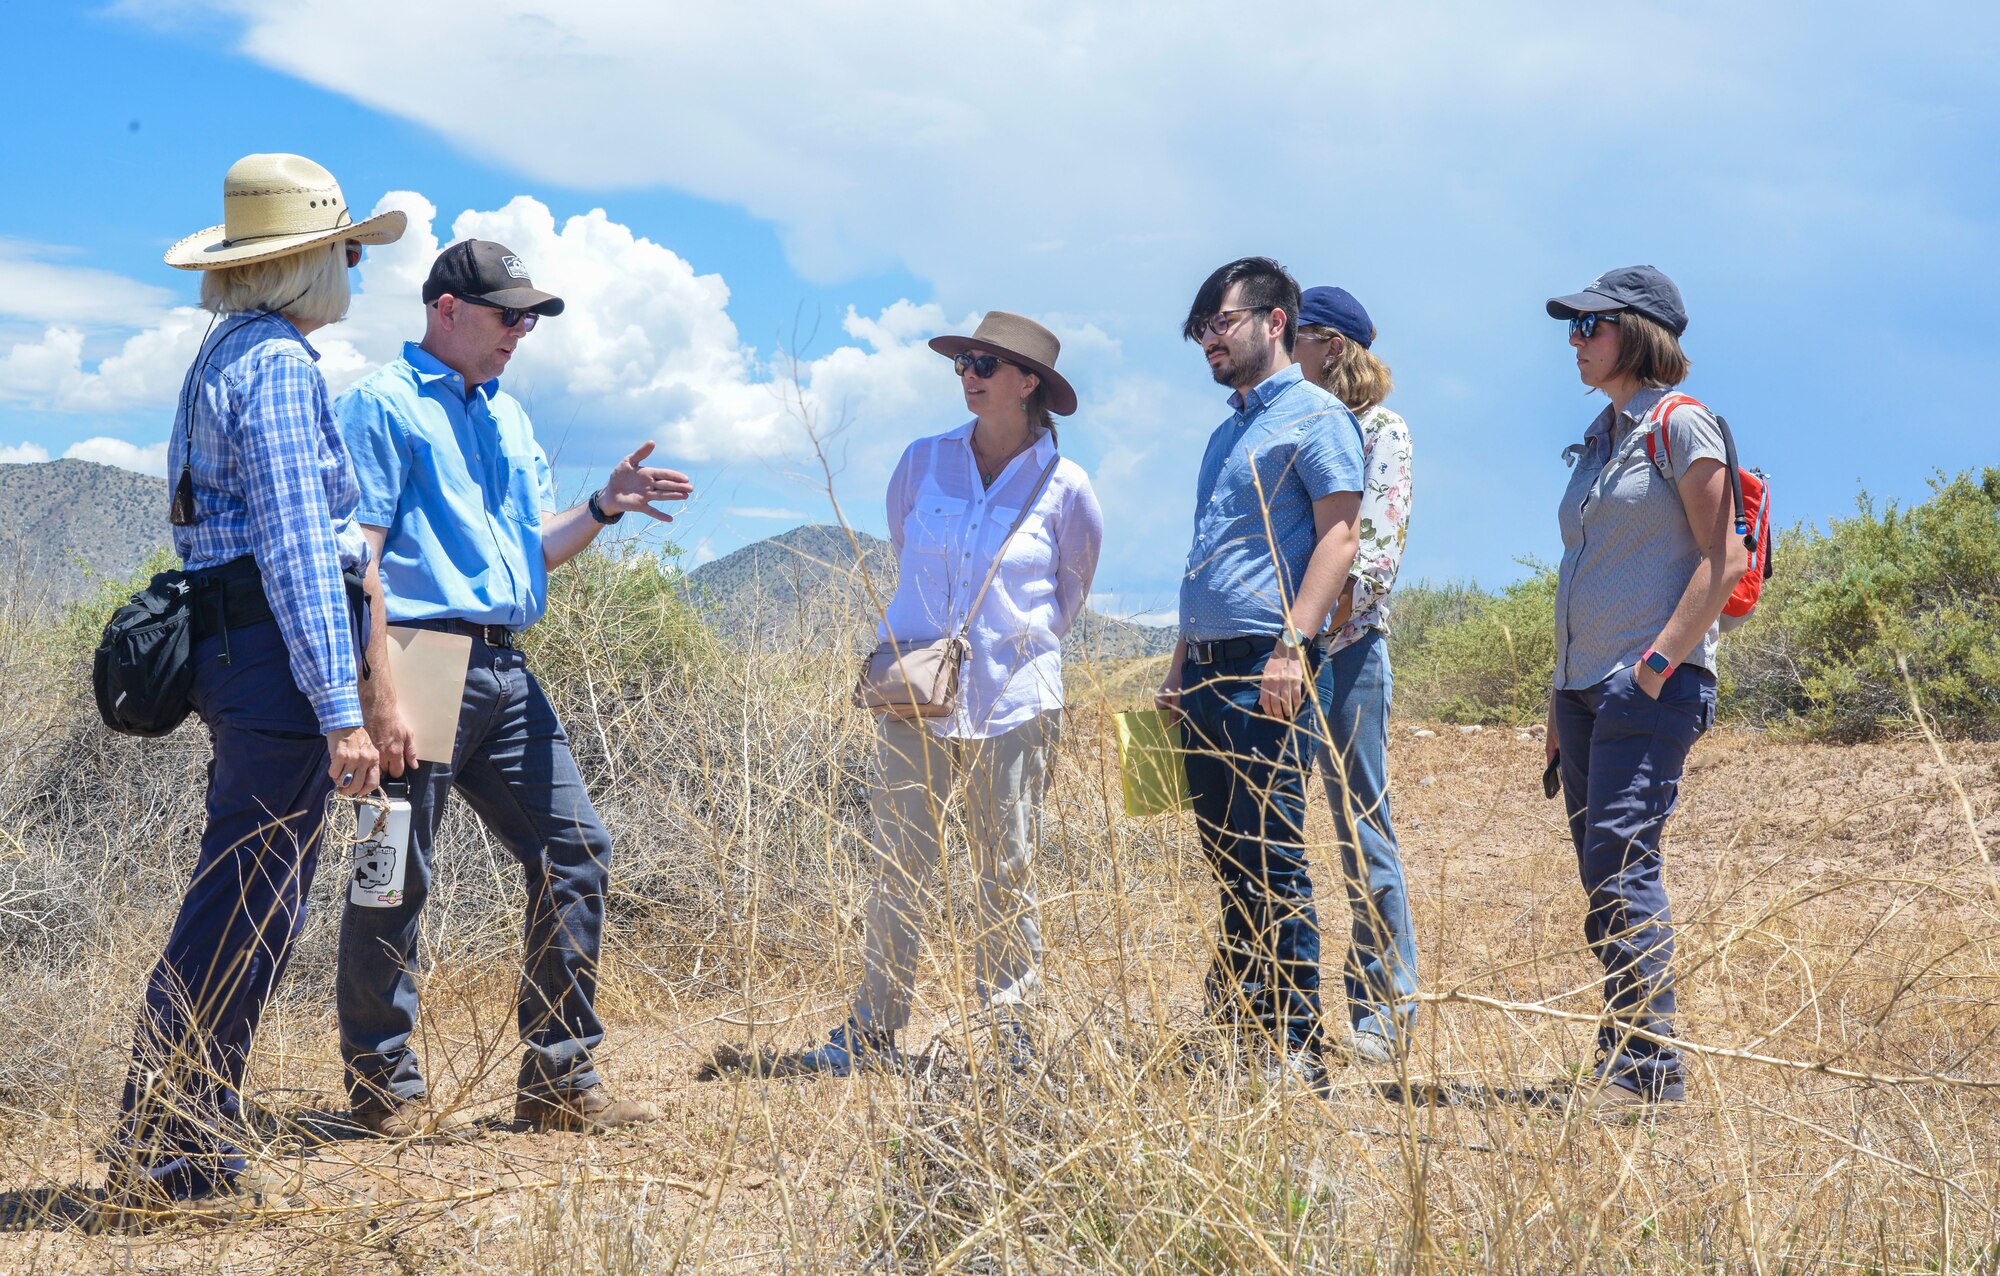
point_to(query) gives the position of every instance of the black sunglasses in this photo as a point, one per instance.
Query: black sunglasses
(1585, 326)
(508, 315)
(980, 365)
(354, 251)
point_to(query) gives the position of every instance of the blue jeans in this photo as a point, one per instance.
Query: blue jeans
(513, 764)
(233, 936)
(1246, 774)
(1381, 968)
(1622, 754)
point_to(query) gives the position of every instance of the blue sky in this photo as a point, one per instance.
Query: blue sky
(710, 183)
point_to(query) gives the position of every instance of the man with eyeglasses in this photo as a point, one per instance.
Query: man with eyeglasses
(1276, 503)
(455, 500)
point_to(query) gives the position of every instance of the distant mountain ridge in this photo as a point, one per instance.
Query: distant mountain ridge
(65, 525)
(798, 584)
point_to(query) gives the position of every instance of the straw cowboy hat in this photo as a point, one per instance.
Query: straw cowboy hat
(1021, 341)
(276, 205)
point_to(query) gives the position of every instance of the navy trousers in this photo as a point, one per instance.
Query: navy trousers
(1622, 756)
(267, 792)
(1246, 774)
(512, 762)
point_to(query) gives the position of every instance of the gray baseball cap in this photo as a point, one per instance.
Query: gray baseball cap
(1640, 288)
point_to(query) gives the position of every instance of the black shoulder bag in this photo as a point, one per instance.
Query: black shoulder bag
(144, 666)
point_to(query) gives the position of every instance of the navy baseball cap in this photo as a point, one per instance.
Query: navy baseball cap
(1337, 309)
(1640, 288)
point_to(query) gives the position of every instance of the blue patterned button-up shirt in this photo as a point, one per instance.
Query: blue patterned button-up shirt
(272, 480)
(1288, 444)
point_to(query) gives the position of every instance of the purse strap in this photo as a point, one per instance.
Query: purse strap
(965, 626)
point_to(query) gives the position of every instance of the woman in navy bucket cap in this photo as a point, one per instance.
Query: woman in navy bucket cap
(1336, 351)
(1649, 559)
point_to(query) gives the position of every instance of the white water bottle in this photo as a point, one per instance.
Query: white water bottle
(380, 856)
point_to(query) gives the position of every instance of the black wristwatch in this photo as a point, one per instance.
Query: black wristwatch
(597, 511)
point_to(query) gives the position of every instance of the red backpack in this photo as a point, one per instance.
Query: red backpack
(1749, 494)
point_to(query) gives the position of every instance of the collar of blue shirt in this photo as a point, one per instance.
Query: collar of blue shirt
(1264, 392)
(428, 368)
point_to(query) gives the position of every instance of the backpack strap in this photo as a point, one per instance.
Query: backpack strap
(1658, 443)
(1027, 508)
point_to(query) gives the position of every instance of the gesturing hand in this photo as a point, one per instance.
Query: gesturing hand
(634, 487)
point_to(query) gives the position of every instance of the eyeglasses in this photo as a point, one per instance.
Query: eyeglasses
(509, 316)
(1585, 326)
(1220, 322)
(979, 365)
(354, 252)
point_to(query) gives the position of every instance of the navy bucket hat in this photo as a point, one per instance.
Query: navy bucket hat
(1337, 309)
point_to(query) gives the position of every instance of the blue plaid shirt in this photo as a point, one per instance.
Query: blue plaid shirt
(272, 480)
(1287, 444)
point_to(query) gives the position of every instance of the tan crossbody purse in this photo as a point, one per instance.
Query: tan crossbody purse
(920, 679)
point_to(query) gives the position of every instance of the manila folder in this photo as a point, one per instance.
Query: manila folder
(428, 669)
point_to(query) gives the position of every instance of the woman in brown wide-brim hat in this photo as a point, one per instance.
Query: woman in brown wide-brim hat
(263, 504)
(998, 535)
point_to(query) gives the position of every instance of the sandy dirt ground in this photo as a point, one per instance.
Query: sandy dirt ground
(1832, 910)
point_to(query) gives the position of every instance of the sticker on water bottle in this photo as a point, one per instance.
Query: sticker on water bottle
(378, 860)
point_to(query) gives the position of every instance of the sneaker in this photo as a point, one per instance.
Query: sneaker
(412, 1118)
(1614, 1104)
(1372, 1048)
(1298, 1069)
(137, 1203)
(848, 1049)
(588, 1111)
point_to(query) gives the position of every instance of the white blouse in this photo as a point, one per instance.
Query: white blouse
(947, 527)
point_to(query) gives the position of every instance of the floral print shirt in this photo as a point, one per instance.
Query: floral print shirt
(1384, 524)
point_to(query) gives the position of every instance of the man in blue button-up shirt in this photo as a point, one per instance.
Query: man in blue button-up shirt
(454, 491)
(1274, 536)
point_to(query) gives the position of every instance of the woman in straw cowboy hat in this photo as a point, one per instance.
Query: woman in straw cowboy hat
(263, 502)
(996, 535)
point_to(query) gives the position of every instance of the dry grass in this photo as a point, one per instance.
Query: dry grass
(1836, 921)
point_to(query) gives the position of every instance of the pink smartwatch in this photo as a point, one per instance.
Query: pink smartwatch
(1658, 663)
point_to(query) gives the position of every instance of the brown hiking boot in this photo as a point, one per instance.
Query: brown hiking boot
(409, 1119)
(590, 1111)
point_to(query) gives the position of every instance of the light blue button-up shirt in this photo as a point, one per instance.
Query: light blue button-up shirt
(1287, 444)
(460, 484)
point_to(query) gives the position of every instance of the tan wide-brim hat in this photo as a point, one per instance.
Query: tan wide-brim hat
(274, 206)
(1022, 341)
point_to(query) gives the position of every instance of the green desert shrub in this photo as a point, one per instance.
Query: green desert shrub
(1883, 591)
(1461, 654)
(1846, 613)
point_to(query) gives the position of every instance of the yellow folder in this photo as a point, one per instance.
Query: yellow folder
(1150, 763)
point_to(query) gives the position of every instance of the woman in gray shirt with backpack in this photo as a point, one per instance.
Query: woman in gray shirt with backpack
(1649, 560)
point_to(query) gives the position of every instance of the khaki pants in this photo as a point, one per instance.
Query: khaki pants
(991, 789)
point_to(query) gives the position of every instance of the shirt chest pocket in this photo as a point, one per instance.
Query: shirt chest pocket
(1033, 549)
(935, 523)
(521, 491)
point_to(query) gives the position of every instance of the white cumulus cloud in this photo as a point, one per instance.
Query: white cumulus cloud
(150, 458)
(22, 453)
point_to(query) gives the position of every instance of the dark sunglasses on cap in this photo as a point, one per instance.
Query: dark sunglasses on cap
(980, 365)
(1585, 326)
(508, 315)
